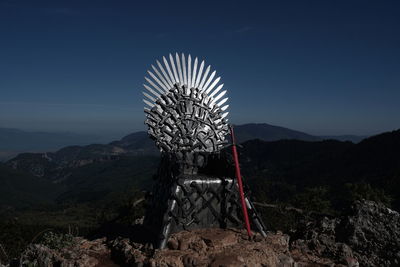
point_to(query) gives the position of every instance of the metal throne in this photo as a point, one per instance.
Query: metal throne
(187, 118)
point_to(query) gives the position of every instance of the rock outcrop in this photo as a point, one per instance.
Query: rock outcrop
(368, 236)
(213, 247)
(204, 247)
(373, 232)
(83, 253)
(318, 239)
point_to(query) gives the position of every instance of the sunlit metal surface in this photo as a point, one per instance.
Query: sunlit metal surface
(185, 106)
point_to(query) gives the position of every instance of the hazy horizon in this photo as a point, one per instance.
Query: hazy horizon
(111, 135)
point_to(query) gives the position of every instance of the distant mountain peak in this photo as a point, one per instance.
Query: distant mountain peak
(268, 132)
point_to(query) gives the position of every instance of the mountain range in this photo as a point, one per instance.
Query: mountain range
(92, 172)
(135, 144)
(15, 141)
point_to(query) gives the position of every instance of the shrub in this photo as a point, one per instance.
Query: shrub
(360, 191)
(314, 199)
(57, 241)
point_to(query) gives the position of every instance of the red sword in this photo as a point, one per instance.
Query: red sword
(239, 178)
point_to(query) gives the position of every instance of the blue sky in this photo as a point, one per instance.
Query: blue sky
(323, 67)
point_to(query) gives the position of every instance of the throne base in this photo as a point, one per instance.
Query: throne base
(196, 201)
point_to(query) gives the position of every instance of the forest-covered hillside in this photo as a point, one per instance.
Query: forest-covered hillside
(82, 187)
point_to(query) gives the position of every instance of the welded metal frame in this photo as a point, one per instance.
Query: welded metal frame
(187, 117)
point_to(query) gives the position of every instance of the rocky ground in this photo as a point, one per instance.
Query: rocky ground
(204, 247)
(215, 247)
(368, 236)
(370, 233)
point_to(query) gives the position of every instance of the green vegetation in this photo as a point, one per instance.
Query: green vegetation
(55, 226)
(314, 199)
(57, 241)
(360, 191)
(23, 190)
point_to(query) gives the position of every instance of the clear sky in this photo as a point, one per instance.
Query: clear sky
(323, 67)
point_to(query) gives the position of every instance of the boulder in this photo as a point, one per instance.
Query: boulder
(373, 232)
(368, 235)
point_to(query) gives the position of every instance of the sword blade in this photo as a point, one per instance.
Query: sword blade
(209, 80)
(178, 64)
(151, 90)
(213, 85)
(194, 72)
(169, 71)
(204, 77)
(199, 74)
(149, 96)
(148, 103)
(164, 78)
(154, 85)
(222, 102)
(157, 80)
(189, 72)
(184, 70)
(219, 96)
(171, 59)
(224, 107)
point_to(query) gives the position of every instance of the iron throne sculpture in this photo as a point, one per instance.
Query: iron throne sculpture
(187, 118)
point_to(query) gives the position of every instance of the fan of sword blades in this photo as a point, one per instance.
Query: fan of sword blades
(186, 108)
